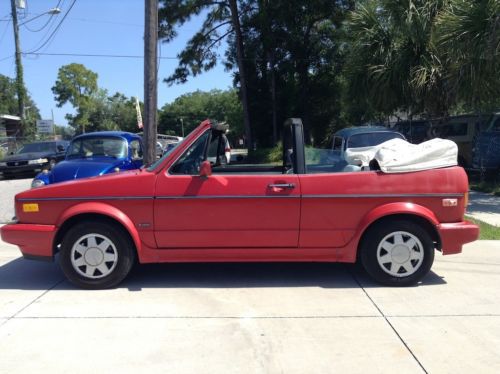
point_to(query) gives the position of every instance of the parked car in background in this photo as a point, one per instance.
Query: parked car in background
(356, 137)
(486, 150)
(462, 129)
(93, 154)
(32, 158)
(224, 151)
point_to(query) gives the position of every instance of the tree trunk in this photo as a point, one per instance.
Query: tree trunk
(274, 104)
(269, 44)
(243, 82)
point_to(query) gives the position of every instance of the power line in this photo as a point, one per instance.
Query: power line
(46, 23)
(55, 30)
(91, 55)
(106, 22)
(4, 31)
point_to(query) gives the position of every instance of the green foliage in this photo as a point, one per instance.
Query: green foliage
(331, 63)
(8, 95)
(95, 110)
(191, 109)
(423, 57)
(392, 64)
(200, 53)
(272, 155)
(9, 105)
(75, 84)
(468, 34)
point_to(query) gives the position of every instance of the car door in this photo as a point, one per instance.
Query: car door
(225, 210)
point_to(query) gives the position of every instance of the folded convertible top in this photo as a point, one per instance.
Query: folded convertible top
(399, 156)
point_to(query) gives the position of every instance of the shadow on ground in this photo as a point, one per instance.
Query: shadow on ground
(483, 203)
(34, 275)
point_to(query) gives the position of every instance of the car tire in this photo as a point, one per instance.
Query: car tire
(397, 253)
(96, 255)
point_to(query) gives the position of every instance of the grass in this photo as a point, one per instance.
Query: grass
(487, 231)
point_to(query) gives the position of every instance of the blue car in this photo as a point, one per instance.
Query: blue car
(93, 154)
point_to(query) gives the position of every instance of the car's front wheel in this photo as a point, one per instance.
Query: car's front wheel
(397, 253)
(96, 255)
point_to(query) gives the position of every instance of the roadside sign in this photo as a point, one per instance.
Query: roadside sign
(44, 126)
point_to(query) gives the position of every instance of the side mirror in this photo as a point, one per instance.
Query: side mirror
(60, 148)
(205, 169)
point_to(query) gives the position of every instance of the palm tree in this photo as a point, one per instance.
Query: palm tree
(469, 34)
(393, 62)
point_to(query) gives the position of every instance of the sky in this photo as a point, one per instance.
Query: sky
(110, 27)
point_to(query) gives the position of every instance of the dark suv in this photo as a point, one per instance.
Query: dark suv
(32, 158)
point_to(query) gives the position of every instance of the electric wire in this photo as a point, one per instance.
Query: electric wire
(92, 55)
(55, 30)
(4, 32)
(46, 23)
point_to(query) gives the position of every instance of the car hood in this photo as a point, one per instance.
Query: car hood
(27, 156)
(73, 169)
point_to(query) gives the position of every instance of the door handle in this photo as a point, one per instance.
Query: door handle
(282, 185)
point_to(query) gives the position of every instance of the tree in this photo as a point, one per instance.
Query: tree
(77, 85)
(8, 100)
(200, 53)
(293, 58)
(468, 33)
(392, 64)
(188, 110)
(9, 104)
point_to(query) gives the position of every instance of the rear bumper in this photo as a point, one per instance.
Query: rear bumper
(35, 241)
(455, 235)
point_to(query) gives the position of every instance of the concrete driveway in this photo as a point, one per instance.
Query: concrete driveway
(253, 318)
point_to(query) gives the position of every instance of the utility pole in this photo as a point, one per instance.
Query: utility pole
(21, 90)
(150, 79)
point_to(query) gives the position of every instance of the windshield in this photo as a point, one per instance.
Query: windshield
(371, 139)
(98, 147)
(170, 147)
(38, 147)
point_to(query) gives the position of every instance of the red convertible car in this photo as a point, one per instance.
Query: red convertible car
(300, 210)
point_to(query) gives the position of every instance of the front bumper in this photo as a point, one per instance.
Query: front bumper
(455, 235)
(23, 169)
(35, 241)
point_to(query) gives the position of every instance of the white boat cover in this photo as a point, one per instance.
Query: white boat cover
(400, 156)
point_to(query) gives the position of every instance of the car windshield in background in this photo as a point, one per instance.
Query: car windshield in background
(37, 147)
(371, 139)
(168, 150)
(98, 147)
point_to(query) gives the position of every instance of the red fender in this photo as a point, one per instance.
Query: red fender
(348, 254)
(105, 210)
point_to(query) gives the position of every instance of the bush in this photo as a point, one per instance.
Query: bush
(267, 155)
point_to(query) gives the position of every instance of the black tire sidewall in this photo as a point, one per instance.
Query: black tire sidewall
(115, 234)
(369, 252)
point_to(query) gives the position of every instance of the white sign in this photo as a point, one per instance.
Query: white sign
(44, 126)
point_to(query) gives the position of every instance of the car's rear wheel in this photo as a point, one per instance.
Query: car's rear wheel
(96, 255)
(397, 253)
